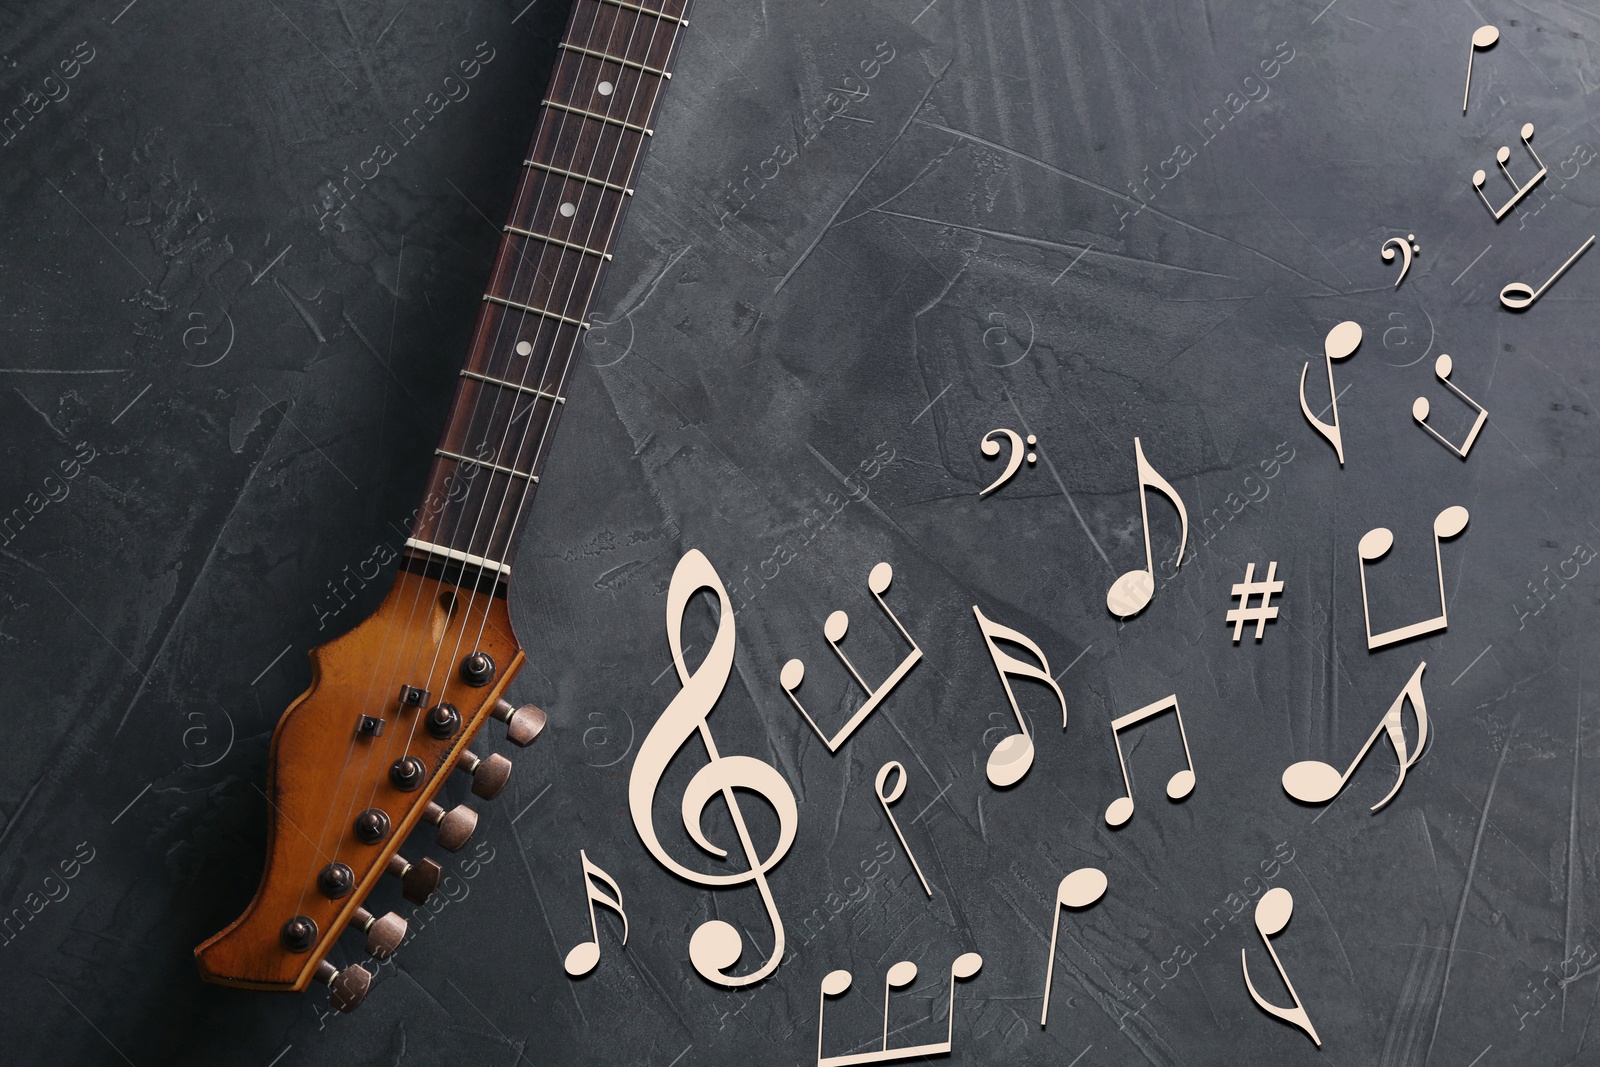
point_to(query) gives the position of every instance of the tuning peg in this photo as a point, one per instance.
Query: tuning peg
(417, 880)
(384, 934)
(349, 986)
(455, 826)
(489, 775)
(522, 724)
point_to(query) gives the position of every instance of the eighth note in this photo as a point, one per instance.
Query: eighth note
(1517, 295)
(1375, 544)
(1482, 37)
(1407, 247)
(1079, 889)
(1420, 407)
(1131, 593)
(887, 798)
(991, 448)
(1340, 342)
(1273, 912)
(583, 958)
(1013, 756)
(1179, 785)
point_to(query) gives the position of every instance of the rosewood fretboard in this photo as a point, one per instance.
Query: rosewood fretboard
(594, 123)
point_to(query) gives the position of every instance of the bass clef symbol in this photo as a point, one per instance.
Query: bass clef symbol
(715, 946)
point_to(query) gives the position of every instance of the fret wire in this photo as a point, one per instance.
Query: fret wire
(647, 11)
(513, 385)
(512, 471)
(519, 231)
(575, 176)
(614, 59)
(535, 311)
(599, 118)
(458, 556)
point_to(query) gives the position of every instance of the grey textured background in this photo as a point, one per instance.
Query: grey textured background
(957, 250)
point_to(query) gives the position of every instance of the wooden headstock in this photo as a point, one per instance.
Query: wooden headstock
(356, 762)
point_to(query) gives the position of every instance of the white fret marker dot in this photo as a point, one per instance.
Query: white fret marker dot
(605, 88)
(524, 348)
(567, 211)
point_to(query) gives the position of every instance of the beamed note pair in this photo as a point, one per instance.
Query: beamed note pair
(359, 758)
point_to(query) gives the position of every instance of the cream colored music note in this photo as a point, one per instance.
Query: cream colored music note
(1420, 408)
(715, 945)
(991, 448)
(1130, 593)
(794, 672)
(1079, 889)
(1407, 247)
(1482, 37)
(1179, 785)
(900, 975)
(1013, 756)
(1341, 341)
(583, 958)
(1315, 782)
(1272, 914)
(1375, 544)
(1502, 156)
(889, 798)
(1517, 295)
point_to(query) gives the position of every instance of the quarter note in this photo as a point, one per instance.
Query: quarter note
(1375, 544)
(1482, 37)
(1273, 912)
(1501, 157)
(794, 672)
(1315, 782)
(902, 974)
(991, 448)
(1517, 296)
(583, 958)
(1079, 889)
(1013, 756)
(1341, 341)
(1130, 593)
(1179, 785)
(1420, 408)
(889, 798)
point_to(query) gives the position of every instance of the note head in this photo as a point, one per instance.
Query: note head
(902, 974)
(1517, 296)
(1119, 811)
(966, 965)
(1010, 760)
(836, 627)
(878, 581)
(1081, 888)
(1342, 340)
(1312, 782)
(1420, 408)
(582, 959)
(1484, 36)
(1181, 784)
(835, 982)
(1274, 910)
(1443, 366)
(1478, 178)
(794, 672)
(713, 948)
(1375, 544)
(1502, 154)
(1450, 522)
(1527, 131)
(1131, 594)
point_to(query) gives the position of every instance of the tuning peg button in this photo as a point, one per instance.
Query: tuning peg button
(489, 774)
(384, 933)
(349, 986)
(522, 724)
(455, 826)
(417, 880)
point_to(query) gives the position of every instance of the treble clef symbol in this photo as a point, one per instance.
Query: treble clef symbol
(715, 945)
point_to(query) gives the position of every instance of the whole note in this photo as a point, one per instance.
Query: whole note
(715, 945)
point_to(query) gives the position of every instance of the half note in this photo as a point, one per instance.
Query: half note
(1482, 37)
(1013, 756)
(583, 958)
(1273, 912)
(1341, 341)
(1315, 782)
(1130, 593)
(889, 797)
(834, 629)
(1420, 409)
(1375, 544)
(902, 974)
(1517, 296)
(1079, 889)
(1503, 156)
(1179, 785)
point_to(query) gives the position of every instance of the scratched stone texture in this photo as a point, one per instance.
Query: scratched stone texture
(867, 233)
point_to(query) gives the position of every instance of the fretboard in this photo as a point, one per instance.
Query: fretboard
(594, 123)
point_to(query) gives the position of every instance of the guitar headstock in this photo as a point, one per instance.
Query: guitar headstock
(356, 763)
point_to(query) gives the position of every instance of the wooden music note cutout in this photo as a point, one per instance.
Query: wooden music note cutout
(1375, 544)
(1079, 889)
(1341, 341)
(1272, 914)
(1130, 593)
(1502, 156)
(889, 798)
(1179, 785)
(1013, 756)
(1406, 247)
(991, 448)
(583, 958)
(1482, 37)
(1420, 408)
(794, 672)
(715, 945)
(1315, 782)
(900, 975)
(1517, 295)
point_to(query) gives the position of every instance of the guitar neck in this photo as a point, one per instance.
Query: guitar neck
(594, 123)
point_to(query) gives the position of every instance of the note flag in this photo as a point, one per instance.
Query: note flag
(889, 797)
(1315, 782)
(900, 975)
(1130, 593)
(583, 958)
(1179, 785)
(1375, 544)
(1013, 756)
(716, 944)
(794, 672)
(1273, 912)
(1341, 341)
(1079, 889)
